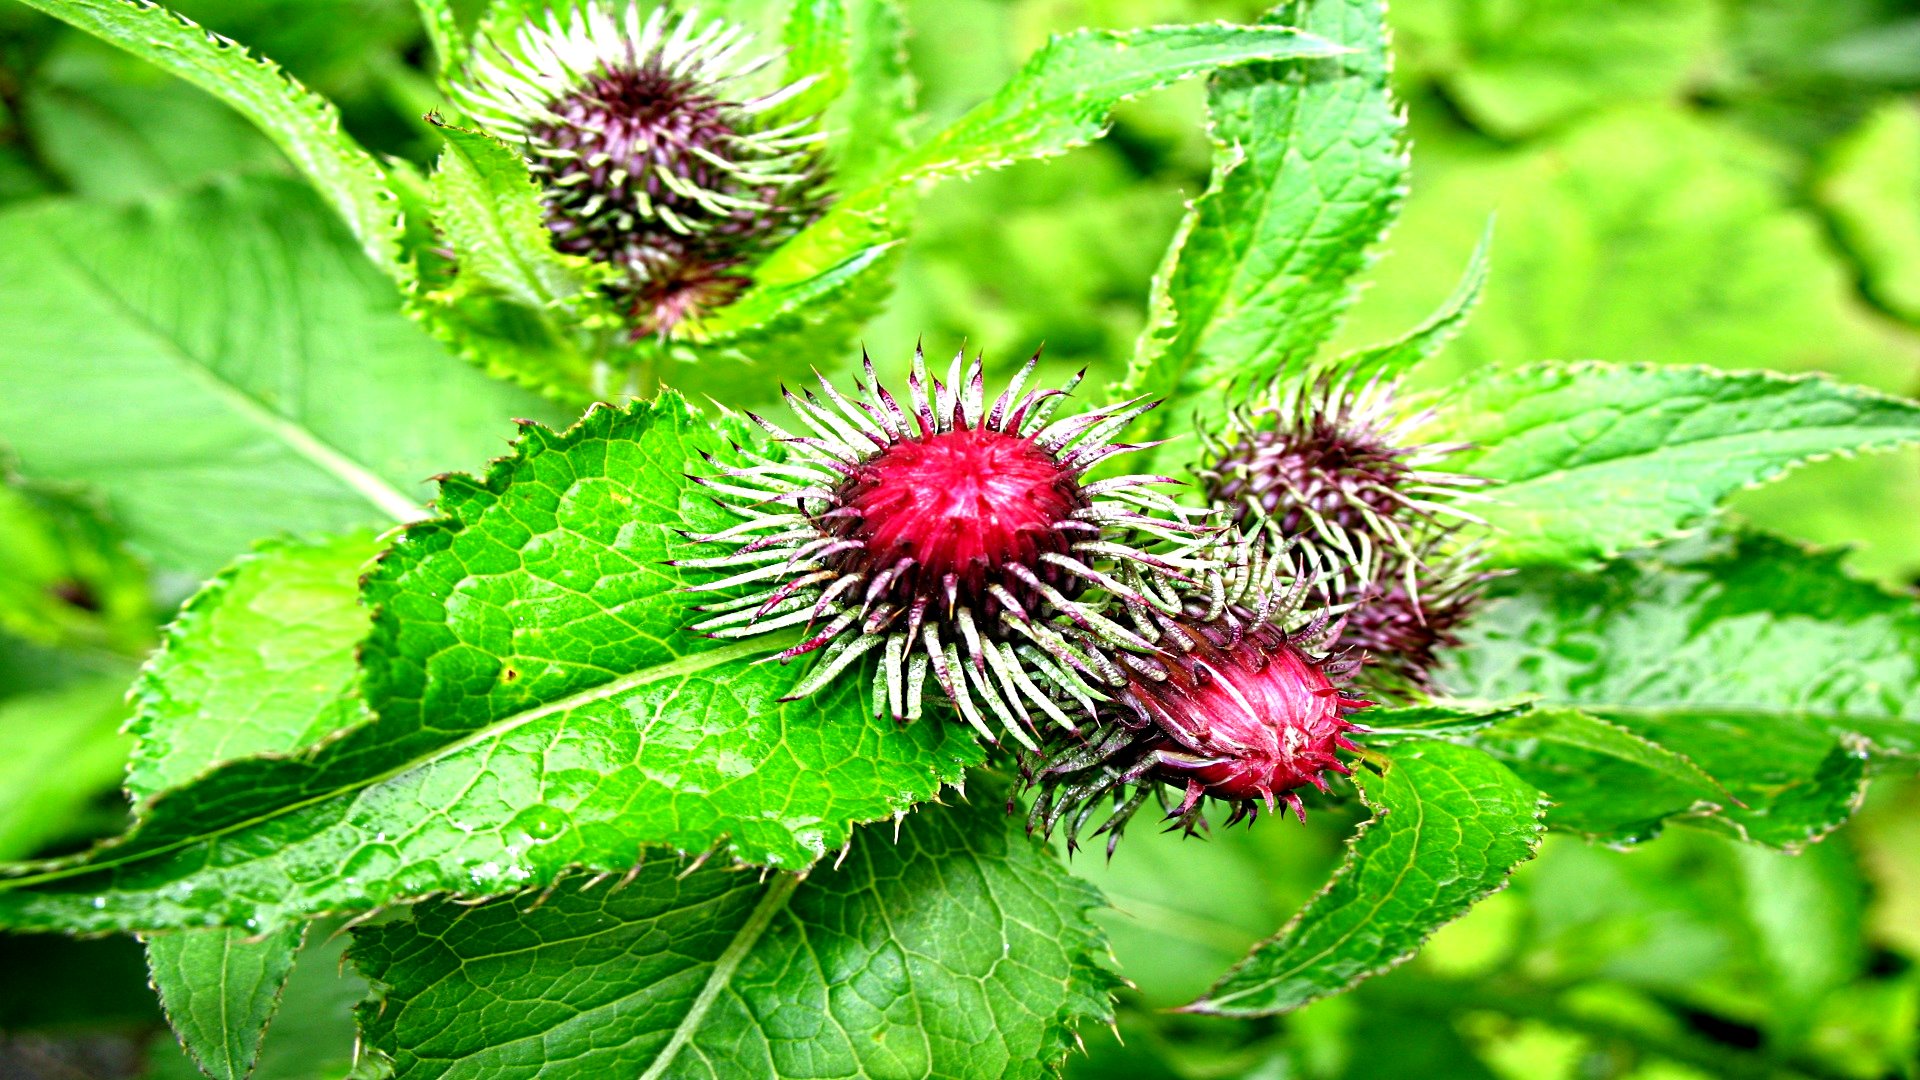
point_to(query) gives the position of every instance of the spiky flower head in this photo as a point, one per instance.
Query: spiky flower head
(955, 536)
(1337, 469)
(661, 144)
(1231, 702)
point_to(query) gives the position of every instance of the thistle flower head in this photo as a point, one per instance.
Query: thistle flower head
(659, 145)
(1336, 468)
(1231, 703)
(951, 535)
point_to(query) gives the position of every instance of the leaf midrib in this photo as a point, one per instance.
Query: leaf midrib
(380, 493)
(682, 665)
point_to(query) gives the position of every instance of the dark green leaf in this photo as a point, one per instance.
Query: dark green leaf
(1449, 825)
(1593, 459)
(1762, 664)
(960, 950)
(1606, 782)
(1309, 170)
(300, 122)
(219, 989)
(539, 706)
(225, 366)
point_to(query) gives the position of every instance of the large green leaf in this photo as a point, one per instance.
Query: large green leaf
(1765, 666)
(300, 122)
(260, 661)
(539, 706)
(1593, 459)
(225, 366)
(59, 749)
(1450, 823)
(961, 949)
(1309, 169)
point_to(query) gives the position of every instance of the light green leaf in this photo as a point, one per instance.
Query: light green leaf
(1061, 99)
(1870, 188)
(1309, 170)
(1767, 667)
(300, 122)
(1393, 360)
(1593, 459)
(115, 127)
(225, 366)
(66, 577)
(1606, 783)
(867, 123)
(539, 706)
(818, 49)
(1523, 65)
(260, 661)
(59, 749)
(444, 33)
(516, 307)
(1449, 825)
(960, 950)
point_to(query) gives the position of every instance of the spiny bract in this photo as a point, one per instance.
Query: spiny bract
(1336, 468)
(957, 536)
(661, 143)
(1228, 700)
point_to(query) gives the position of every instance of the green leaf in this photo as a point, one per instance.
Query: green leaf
(1395, 359)
(115, 127)
(961, 950)
(66, 577)
(516, 307)
(59, 750)
(1061, 99)
(1310, 166)
(261, 660)
(225, 366)
(1524, 65)
(300, 122)
(219, 988)
(1870, 187)
(539, 706)
(1449, 825)
(819, 48)
(1763, 665)
(867, 123)
(1594, 459)
(444, 33)
(1606, 783)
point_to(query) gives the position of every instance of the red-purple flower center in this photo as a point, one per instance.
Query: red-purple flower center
(1247, 720)
(956, 509)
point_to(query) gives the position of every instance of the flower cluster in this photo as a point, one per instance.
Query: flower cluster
(662, 145)
(1130, 646)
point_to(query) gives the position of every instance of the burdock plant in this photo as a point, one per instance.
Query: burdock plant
(522, 728)
(655, 150)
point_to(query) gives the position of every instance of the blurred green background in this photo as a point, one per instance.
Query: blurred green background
(1725, 182)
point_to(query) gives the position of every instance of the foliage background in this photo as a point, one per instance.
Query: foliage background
(1725, 182)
